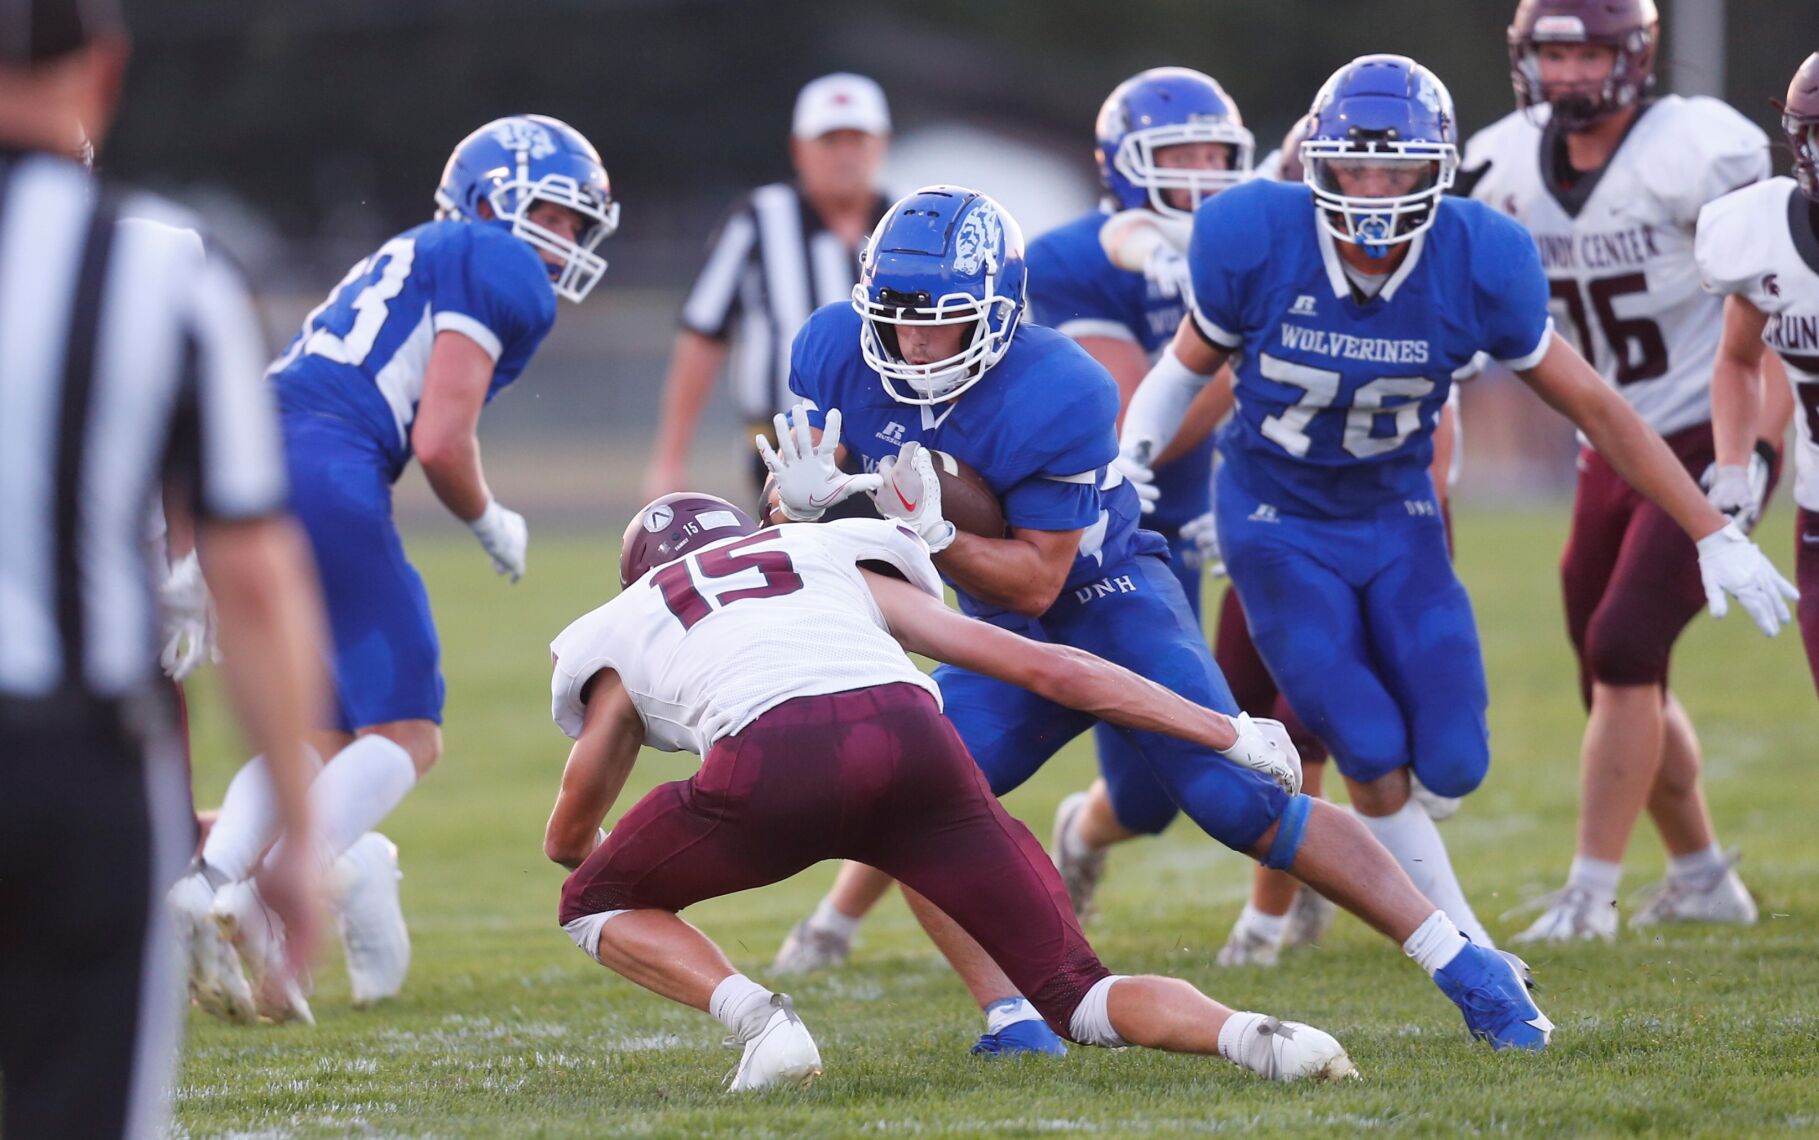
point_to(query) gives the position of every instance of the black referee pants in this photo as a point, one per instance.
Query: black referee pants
(92, 830)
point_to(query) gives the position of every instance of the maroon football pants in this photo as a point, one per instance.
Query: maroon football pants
(1806, 573)
(877, 775)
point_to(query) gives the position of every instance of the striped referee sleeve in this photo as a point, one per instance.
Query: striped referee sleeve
(714, 298)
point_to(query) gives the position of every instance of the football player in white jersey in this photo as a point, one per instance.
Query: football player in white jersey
(1759, 249)
(1610, 183)
(777, 655)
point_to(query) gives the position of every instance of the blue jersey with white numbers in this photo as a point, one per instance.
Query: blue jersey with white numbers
(361, 354)
(1337, 397)
(1037, 428)
(1075, 289)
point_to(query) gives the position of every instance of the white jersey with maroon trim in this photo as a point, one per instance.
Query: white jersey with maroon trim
(707, 643)
(1618, 245)
(1759, 245)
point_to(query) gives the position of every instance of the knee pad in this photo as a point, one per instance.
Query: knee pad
(585, 931)
(1091, 1023)
(1291, 829)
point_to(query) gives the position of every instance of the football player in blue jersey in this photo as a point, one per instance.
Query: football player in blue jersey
(399, 361)
(1349, 306)
(933, 352)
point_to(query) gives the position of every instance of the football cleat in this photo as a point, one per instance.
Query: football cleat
(363, 886)
(1245, 947)
(1491, 989)
(216, 981)
(1309, 919)
(241, 916)
(1032, 1038)
(1290, 1051)
(782, 1054)
(1571, 914)
(1716, 897)
(1080, 866)
(809, 948)
(1437, 806)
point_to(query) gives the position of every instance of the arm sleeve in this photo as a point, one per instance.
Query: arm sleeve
(575, 657)
(226, 439)
(713, 300)
(1728, 153)
(1062, 491)
(807, 359)
(1728, 246)
(1220, 257)
(1511, 292)
(888, 541)
(1071, 297)
(494, 290)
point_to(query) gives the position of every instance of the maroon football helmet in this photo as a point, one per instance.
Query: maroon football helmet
(1628, 26)
(675, 525)
(1800, 119)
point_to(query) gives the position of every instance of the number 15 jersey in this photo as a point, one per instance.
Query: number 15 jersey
(1617, 245)
(706, 644)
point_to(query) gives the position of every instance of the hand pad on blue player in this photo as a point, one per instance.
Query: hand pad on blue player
(914, 495)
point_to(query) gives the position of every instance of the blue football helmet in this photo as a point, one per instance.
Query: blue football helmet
(1389, 117)
(944, 255)
(1163, 107)
(511, 163)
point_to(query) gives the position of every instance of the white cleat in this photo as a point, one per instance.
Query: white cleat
(363, 886)
(809, 948)
(1290, 1051)
(1309, 919)
(1571, 914)
(243, 920)
(216, 981)
(1717, 897)
(783, 1054)
(1437, 806)
(1245, 947)
(1081, 866)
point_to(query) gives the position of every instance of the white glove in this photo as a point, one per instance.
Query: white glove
(505, 536)
(1203, 532)
(1263, 746)
(1131, 238)
(1738, 490)
(187, 618)
(920, 512)
(808, 479)
(1142, 480)
(1730, 563)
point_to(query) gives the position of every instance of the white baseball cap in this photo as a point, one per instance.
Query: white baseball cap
(840, 102)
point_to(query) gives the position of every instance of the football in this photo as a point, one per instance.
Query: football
(967, 500)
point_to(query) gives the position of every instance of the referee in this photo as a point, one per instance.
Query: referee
(782, 252)
(130, 363)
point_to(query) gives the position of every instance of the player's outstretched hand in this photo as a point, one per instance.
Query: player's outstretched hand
(1738, 490)
(1732, 564)
(505, 535)
(809, 481)
(1131, 238)
(911, 492)
(1203, 532)
(1142, 480)
(187, 617)
(1263, 746)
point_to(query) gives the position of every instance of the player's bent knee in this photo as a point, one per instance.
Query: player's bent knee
(585, 930)
(421, 739)
(1454, 767)
(1091, 1021)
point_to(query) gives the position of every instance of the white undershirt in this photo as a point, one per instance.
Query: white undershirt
(1369, 284)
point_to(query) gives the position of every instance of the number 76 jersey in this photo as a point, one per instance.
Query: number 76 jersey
(361, 354)
(1617, 245)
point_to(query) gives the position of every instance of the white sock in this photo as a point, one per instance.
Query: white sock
(742, 1005)
(1435, 943)
(1698, 865)
(1415, 842)
(1598, 876)
(1269, 927)
(357, 789)
(1009, 1011)
(830, 921)
(1238, 1030)
(247, 821)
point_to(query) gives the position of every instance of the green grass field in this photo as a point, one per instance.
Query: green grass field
(504, 1029)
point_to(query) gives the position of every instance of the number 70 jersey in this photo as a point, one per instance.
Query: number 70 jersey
(706, 644)
(1618, 245)
(361, 354)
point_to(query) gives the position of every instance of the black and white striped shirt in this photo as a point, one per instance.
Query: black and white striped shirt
(128, 355)
(772, 263)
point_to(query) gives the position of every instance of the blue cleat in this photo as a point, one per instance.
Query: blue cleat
(1490, 987)
(1021, 1038)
